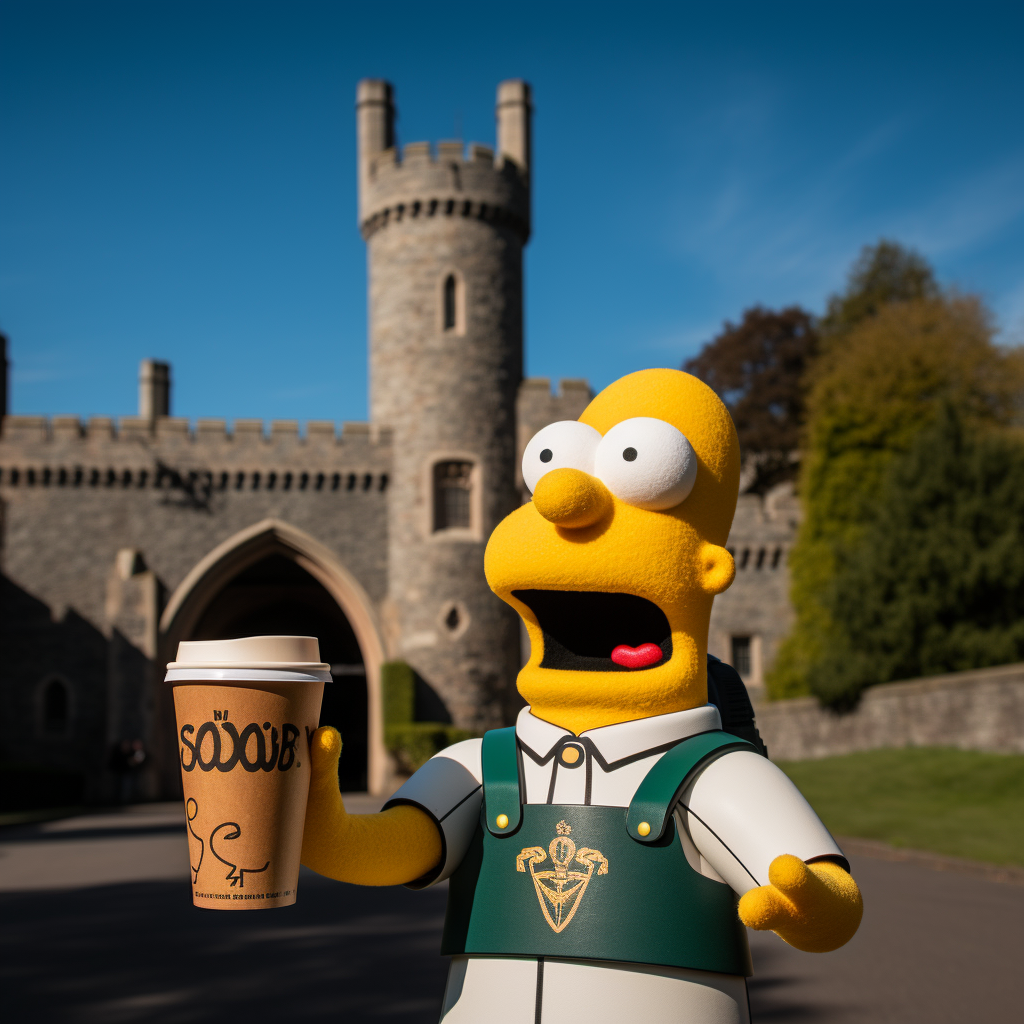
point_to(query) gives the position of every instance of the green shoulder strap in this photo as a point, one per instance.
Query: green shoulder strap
(657, 794)
(500, 763)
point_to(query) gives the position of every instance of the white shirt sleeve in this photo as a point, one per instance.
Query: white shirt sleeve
(742, 812)
(448, 788)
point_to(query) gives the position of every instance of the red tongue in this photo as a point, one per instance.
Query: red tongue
(636, 657)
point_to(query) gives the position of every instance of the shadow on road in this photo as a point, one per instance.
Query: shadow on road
(137, 952)
(936, 947)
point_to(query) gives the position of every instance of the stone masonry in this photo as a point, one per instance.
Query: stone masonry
(100, 525)
(447, 388)
(755, 611)
(981, 709)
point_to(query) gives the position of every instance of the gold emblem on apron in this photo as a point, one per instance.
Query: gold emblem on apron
(559, 890)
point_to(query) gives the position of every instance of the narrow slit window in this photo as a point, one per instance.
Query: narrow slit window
(452, 489)
(741, 655)
(450, 302)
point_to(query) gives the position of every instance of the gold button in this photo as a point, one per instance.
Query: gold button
(644, 828)
(570, 755)
(502, 821)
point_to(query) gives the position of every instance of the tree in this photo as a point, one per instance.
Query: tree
(886, 381)
(935, 582)
(757, 368)
(882, 274)
(873, 390)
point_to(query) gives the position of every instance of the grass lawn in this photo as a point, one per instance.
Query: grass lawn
(957, 802)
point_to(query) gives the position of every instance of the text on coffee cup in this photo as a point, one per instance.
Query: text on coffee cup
(248, 748)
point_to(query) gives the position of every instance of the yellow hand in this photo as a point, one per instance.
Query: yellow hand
(396, 846)
(814, 907)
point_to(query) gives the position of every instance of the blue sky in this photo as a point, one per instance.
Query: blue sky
(178, 179)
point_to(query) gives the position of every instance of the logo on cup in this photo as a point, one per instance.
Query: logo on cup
(270, 749)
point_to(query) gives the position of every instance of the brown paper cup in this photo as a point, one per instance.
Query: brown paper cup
(245, 767)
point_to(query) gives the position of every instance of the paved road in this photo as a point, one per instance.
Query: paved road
(96, 926)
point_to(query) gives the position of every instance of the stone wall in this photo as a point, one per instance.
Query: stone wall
(978, 710)
(77, 493)
(757, 604)
(80, 501)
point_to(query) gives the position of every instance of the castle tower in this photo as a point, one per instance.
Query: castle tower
(445, 235)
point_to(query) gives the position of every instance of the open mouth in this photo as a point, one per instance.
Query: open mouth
(583, 630)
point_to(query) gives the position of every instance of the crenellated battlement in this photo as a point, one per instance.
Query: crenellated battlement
(136, 452)
(481, 183)
(448, 181)
(162, 428)
(538, 405)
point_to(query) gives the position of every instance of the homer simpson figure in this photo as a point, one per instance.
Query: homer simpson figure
(596, 852)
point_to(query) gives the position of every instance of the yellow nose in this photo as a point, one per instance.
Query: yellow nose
(571, 498)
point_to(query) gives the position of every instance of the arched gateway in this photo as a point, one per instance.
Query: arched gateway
(274, 578)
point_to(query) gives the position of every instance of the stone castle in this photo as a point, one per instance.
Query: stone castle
(118, 539)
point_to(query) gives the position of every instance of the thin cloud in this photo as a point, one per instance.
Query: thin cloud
(761, 229)
(1010, 311)
(42, 367)
(683, 340)
(969, 213)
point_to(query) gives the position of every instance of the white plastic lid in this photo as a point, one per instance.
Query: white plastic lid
(282, 658)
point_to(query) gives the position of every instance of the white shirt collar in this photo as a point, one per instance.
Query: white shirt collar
(623, 740)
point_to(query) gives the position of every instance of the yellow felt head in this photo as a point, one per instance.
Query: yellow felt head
(578, 536)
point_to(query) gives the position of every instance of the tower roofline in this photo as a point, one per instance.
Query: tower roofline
(424, 180)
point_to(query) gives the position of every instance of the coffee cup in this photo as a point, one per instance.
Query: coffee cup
(245, 711)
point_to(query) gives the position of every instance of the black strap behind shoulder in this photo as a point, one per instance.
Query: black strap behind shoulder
(728, 693)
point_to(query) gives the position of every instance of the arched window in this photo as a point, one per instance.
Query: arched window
(56, 706)
(450, 303)
(452, 489)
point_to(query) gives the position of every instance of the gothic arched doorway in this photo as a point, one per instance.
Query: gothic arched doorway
(277, 596)
(273, 578)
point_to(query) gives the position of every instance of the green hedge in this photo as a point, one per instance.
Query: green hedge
(415, 743)
(398, 689)
(411, 743)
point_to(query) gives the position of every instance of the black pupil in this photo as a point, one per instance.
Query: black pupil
(629, 454)
(545, 456)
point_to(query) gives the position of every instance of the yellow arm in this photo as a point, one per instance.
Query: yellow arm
(396, 846)
(814, 907)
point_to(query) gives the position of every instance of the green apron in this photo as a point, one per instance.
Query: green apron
(592, 883)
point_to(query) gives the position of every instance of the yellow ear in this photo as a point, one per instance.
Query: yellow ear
(717, 569)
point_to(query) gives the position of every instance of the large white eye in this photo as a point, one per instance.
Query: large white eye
(566, 444)
(647, 463)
